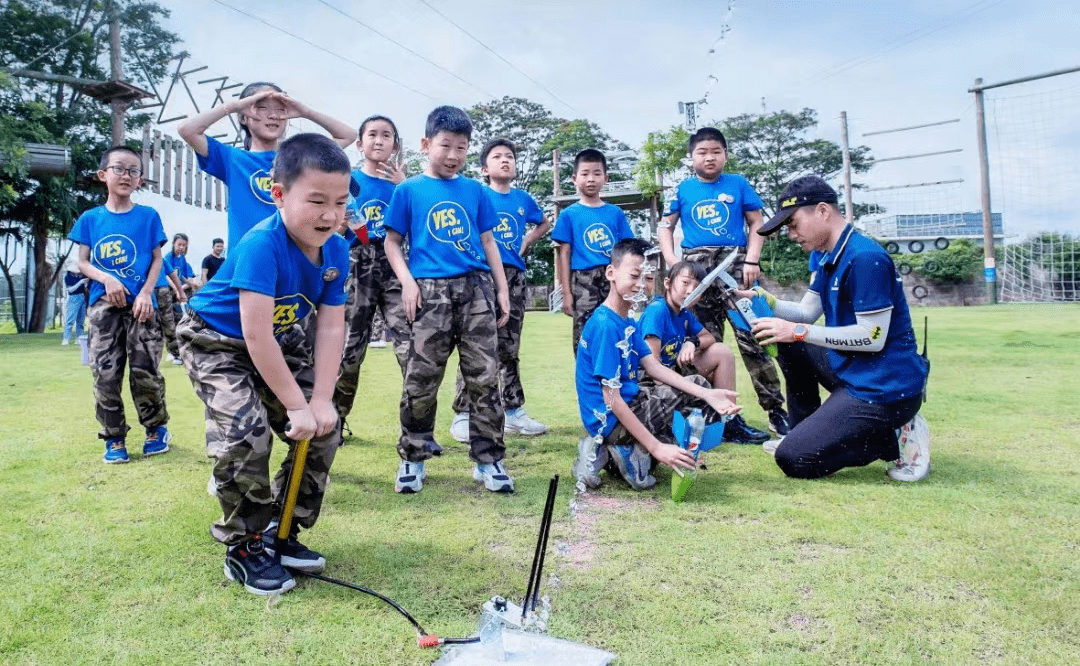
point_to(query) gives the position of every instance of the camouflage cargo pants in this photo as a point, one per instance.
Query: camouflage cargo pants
(711, 311)
(242, 415)
(166, 302)
(455, 312)
(513, 395)
(589, 288)
(117, 340)
(372, 287)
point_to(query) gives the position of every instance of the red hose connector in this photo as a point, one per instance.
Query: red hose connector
(428, 641)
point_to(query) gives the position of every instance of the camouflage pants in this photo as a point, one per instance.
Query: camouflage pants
(589, 288)
(117, 339)
(455, 312)
(513, 395)
(711, 311)
(378, 328)
(242, 415)
(166, 302)
(373, 287)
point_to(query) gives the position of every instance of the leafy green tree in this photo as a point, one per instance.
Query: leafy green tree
(67, 38)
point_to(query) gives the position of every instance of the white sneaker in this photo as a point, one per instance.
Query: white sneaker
(494, 477)
(771, 446)
(914, 461)
(170, 358)
(591, 458)
(211, 485)
(517, 420)
(177, 361)
(410, 477)
(65, 343)
(377, 344)
(459, 427)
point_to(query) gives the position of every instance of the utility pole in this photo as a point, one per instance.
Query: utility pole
(849, 210)
(989, 260)
(119, 106)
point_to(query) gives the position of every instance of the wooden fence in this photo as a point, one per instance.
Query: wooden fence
(172, 170)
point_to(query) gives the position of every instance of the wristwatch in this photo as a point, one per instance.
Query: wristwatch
(799, 332)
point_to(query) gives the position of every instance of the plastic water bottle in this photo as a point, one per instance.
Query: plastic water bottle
(491, 637)
(696, 423)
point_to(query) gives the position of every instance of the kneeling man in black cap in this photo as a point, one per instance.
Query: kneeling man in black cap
(865, 355)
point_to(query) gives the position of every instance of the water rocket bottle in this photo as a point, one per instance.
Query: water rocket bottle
(681, 480)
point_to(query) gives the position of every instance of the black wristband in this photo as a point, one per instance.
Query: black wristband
(752, 263)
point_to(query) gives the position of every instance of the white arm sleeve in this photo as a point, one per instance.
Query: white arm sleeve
(806, 311)
(866, 335)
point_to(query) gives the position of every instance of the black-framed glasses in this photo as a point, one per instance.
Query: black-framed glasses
(133, 172)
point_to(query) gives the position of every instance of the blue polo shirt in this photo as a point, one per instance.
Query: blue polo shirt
(372, 198)
(711, 214)
(247, 175)
(858, 276)
(268, 261)
(670, 327)
(443, 220)
(610, 348)
(122, 245)
(516, 210)
(591, 233)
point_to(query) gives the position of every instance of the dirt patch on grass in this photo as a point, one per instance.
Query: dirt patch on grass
(586, 511)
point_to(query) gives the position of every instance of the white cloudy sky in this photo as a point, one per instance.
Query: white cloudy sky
(626, 63)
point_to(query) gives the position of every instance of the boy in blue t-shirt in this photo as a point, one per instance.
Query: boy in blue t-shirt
(678, 339)
(626, 424)
(120, 251)
(447, 292)
(586, 232)
(717, 210)
(180, 284)
(251, 364)
(516, 210)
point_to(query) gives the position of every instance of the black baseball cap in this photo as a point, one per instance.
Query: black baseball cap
(803, 191)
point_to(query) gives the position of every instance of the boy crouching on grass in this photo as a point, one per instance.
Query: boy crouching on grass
(120, 251)
(625, 422)
(250, 362)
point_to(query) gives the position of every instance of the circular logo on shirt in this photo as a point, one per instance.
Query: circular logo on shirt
(448, 223)
(598, 239)
(373, 212)
(712, 215)
(116, 253)
(330, 274)
(260, 186)
(506, 232)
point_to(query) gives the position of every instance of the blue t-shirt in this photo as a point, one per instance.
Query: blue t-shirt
(712, 213)
(443, 220)
(172, 262)
(371, 199)
(247, 175)
(858, 276)
(515, 209)
(268, 261)
(610, 349)
(121, 244)
(670, 327)
(591, 233)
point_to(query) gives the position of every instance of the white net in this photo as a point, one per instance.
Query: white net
(1033, 132)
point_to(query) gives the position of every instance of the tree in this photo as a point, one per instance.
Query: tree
(66, 38)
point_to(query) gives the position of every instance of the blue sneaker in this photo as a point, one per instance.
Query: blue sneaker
(116, 451)
(633, 463)
(157, 441)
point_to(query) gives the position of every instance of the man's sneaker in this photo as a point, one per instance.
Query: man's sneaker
(517, 420)
(211, 485)
(260, 573)
(459, 427)
(633, 463)
(169, 358)
(410, 477)
(591, 458)
(177, 361)
(771, 446)
(157, 441)
(292, 554)
(740, 432)
(494, 477)
(914, 462)
(778, 422)
(65, 343)
(116, 451)
(377, 344)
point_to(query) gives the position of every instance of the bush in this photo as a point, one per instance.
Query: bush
(784, 261)
(957, 263)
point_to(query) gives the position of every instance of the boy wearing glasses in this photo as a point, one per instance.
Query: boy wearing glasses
(120, 251)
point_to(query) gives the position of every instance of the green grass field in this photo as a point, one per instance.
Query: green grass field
(976, 565)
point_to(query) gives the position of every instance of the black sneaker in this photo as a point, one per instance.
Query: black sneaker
(294, 555)
(740, 432)
(258, 570)
(778, 422)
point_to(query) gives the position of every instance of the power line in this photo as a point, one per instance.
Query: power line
(406, 48)
(324, 49)
(493, 52)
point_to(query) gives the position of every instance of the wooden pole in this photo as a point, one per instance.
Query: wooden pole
(155, 158)
(989, 260)
(119, 109)
(849, 210)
